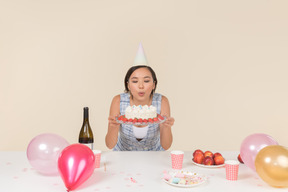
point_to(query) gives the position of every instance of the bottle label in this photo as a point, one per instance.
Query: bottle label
(90, 145)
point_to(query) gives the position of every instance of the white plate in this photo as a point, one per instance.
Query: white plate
(208, 166)
(202, 179)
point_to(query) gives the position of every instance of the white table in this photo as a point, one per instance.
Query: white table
(146, 168)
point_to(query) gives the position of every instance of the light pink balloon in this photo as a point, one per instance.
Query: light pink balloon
(251, 145)
(76, 164)
(43, 152)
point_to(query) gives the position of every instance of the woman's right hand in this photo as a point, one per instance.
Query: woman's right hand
(112, 122)
(113, 126)
(112, 134)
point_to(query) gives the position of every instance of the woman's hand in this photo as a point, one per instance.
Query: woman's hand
(169, 122)
(112, 134)
(112, 122)
(113, 126)
(166, 133)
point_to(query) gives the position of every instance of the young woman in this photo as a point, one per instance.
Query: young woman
(140, 85)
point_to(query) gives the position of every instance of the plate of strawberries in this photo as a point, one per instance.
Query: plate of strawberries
(156, 120)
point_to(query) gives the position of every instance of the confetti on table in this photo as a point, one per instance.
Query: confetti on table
(133, 180)
(25, 170)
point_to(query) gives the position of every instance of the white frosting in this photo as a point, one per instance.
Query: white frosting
(143, 112)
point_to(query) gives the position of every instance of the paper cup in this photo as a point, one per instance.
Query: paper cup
(177, 159)
(97, 154)
(231, 167)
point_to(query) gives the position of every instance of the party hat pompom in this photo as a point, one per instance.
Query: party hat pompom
(140, 58)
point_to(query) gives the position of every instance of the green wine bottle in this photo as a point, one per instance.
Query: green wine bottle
(86, 134)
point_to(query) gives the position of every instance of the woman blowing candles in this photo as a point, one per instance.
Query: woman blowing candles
(140, 85)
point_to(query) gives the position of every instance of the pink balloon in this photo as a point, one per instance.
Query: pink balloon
(76, 164)
(251, 145)
(43, 152)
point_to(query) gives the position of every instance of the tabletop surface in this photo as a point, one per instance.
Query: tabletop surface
(127, 171)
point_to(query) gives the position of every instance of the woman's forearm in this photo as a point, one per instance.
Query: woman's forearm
(166, 137)
(112, 136)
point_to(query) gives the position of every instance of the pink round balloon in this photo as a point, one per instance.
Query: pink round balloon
(43, 152)
(251, 145)
(76, 164)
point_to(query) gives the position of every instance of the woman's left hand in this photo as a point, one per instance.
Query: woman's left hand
(169, 122)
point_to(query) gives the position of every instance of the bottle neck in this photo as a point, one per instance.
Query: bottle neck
(86, 114)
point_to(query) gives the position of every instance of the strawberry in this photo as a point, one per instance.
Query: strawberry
(140, 120)
(120, 118)
(155, 119)
(160, 117)
(125, 119)
(130, 120)
(145, 120)
(135, 120)
(150, 120)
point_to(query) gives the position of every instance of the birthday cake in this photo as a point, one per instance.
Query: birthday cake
(141, 112)
(140, 115)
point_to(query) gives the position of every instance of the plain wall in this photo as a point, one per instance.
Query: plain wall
(222, 64)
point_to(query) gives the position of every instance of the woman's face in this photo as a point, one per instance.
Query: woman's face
(141, 84)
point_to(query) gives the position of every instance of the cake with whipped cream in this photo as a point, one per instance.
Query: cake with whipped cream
(140, 112)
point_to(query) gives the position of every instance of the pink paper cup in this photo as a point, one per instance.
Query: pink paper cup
(97, 154)
(231, 167)
(177, 159)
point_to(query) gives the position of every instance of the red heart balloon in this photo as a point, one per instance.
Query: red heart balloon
(76, 164)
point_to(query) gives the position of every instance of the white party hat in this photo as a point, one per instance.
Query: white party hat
(140, 58)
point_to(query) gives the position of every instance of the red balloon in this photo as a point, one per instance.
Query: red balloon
(76, 164)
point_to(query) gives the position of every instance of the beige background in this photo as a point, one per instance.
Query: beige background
(222, 64)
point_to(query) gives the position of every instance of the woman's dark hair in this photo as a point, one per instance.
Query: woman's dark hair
(134, 68)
